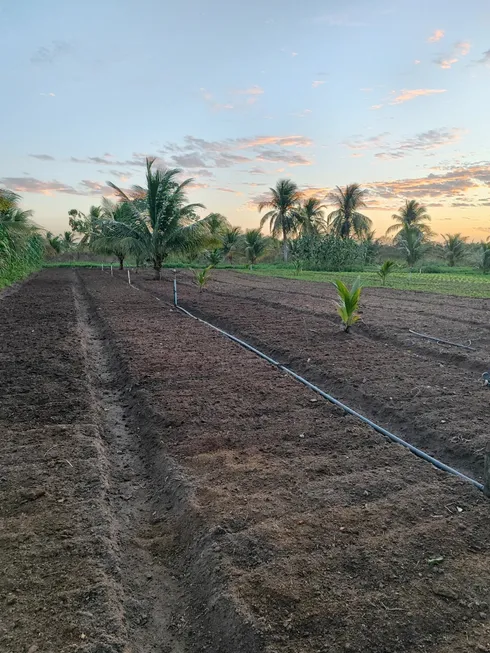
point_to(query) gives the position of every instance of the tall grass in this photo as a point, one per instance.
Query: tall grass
(19, 258)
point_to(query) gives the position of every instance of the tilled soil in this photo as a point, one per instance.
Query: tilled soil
(302, 529)
(78, 571)
(428, 393)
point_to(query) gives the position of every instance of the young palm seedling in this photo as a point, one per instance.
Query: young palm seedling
(202, 277)
(348, 302)
(385, 270)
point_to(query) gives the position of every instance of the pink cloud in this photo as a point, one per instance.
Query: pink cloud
(436, 36)
(410, 94)
(317, 83)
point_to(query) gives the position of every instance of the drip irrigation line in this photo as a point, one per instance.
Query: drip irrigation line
(440, 340)
(350, 411)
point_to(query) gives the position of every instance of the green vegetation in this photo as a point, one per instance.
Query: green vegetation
(454, 248)
(385, 270)
(284, 204)
(348, 302)
(346, 220)
(22, 247)
(254, 245)
(202, 277)
(462, 282)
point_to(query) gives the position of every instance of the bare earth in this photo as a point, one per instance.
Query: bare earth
(164, 490)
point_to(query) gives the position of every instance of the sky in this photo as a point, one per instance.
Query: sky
(391, 94)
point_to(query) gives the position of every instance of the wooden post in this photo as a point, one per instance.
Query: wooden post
(112, 274)
(486, 472)
(129, 277)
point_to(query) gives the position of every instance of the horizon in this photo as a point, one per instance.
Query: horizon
(392, 96)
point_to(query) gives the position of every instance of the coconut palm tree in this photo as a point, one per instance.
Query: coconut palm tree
(230, 241)
(411, 241)
(283, 203)
(311, 217)
(216, 223)
(346, 219)
(161, 221)
(103, 240)
(413, 215)
(254, 245)
(454, 248)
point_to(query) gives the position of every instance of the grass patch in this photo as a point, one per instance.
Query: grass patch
(462, 284)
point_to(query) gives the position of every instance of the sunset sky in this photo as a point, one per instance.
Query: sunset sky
(392, 94)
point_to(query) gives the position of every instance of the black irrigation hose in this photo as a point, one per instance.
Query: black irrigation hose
(441, 341)
(391, 436)
(344, 407)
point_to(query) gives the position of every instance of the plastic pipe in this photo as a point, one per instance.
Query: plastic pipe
(347, 409)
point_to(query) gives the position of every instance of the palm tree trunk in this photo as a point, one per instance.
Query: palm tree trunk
(284, 246)
(121, 262)
(157, 266)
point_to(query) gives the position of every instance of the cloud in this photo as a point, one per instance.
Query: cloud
(303, 114)
(436, 36)
(189, 160)
(139, 159)
(317, 83)
(455, 181)
(121, 175)
(446, 63)
(294, 54)
(253, 90)
(460, 49)
(410, 94)
(32, 185)
(47, 94)
(257, 171)
(366, 90)
(429, 140)
(356, 155)
(485, 60)
(376, 106)
(49, 54)
(229, 190)
(42, 157)
(417, 61)
(362, 143)
(216, 106)
(291, 158)
(96, 187)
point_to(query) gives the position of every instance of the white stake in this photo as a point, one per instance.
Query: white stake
(129, 277)
(112, 274)
(102, 267)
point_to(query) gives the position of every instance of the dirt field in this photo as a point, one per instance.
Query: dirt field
(166, 491)
(430, 394)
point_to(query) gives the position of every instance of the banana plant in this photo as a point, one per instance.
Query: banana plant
(348, 302)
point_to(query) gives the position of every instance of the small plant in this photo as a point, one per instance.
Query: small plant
(298, 267)
(214, 257)
(385, 270)
(348, 304)
(202, 277)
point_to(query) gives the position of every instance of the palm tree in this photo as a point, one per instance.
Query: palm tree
(346, 219)
(161, 222)
(485, 257)
(216, 223)
(412, 214)
(283, 203)
(103, 240)
(54, 243)
(230, 241)
(311, 217)
(411, 241)
(454, 248)
(254, 245)
(68, 241)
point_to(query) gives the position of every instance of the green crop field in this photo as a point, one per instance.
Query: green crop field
(466, 284)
